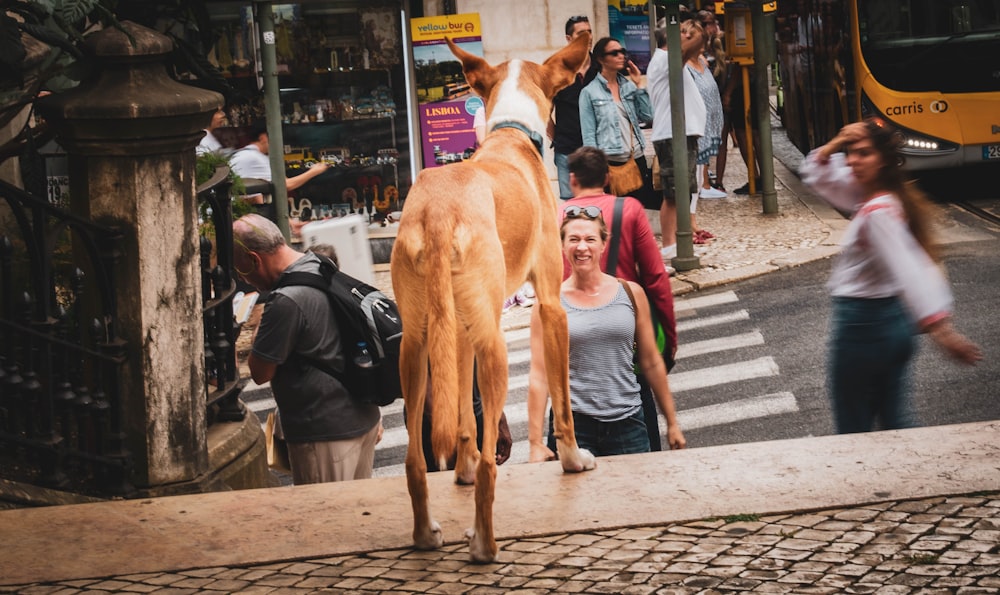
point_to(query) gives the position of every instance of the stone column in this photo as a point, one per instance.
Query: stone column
(130, 135)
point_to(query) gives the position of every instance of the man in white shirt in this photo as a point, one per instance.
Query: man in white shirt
(695, 115)
(252, 162)
(210, 143)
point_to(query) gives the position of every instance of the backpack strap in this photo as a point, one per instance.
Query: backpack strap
(616, 237)
(320, 281)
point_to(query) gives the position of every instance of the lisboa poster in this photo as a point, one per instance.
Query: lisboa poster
(447, 106)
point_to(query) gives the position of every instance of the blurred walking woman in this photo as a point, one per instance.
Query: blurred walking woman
(607, 327)
(886, 283)
(614, 104)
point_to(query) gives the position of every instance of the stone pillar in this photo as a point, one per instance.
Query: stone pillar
(130, 135)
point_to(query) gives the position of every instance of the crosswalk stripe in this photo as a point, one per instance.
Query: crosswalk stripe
(694, 348)
(518, 334)
(723, 374)
(704, 301)
(518, 356)
(734, 411)
(687, 325)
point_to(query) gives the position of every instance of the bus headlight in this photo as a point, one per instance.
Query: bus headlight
(913, 143)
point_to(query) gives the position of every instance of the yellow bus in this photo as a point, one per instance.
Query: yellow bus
(931, 67)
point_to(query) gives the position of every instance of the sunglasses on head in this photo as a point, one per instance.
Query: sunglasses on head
(575, 212)
(618, 52)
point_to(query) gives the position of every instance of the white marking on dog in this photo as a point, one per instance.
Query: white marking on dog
(513, 104)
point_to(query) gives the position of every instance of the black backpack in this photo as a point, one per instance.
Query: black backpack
(365, 316)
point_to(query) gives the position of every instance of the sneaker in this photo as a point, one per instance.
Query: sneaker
(523, 300)
(711, 193)
(745, 188)
(528, 290)
(509, 303)
(668, 252)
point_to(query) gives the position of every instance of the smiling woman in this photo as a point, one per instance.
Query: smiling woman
(609, 330)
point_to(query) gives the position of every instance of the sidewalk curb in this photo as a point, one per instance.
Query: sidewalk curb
(350, 518)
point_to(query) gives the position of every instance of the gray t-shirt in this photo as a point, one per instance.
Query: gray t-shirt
(314, 406)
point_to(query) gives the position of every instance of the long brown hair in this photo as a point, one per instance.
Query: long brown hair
(920, 211)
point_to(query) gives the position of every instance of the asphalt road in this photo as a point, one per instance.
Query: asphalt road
(752, 360)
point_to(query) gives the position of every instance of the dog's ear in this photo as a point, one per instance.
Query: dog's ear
(478, 73)
(561, 66)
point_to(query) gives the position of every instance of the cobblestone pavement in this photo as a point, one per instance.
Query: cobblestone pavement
(935, 545)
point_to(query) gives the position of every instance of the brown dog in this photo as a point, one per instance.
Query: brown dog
(472, 233)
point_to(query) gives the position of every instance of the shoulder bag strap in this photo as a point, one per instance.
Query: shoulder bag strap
(616, 236)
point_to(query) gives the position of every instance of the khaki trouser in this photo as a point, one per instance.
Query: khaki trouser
(334, 460)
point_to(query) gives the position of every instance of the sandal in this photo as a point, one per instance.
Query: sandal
(705, 234)
(697, 238)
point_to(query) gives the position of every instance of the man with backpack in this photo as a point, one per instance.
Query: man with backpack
(331, 435)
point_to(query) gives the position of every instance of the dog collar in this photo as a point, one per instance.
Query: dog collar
(536, 139)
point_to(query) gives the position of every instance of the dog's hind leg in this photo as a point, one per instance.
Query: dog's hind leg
(467, 454)
(491, 361)
(413, 378)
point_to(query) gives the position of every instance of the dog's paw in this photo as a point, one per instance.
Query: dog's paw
(428, 538)
(578, 461)
(480, 552)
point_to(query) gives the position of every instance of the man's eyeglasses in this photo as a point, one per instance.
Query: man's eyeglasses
(618, 52)
(575, 212)
(253, 267)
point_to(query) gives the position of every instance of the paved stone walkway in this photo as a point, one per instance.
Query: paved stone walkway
(936, 545)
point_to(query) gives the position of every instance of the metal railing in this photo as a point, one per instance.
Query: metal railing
(61, 360)
(218, 288)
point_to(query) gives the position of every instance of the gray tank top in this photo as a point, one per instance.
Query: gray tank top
(602, 382)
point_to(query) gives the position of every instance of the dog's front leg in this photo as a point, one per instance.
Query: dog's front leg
(556, 344)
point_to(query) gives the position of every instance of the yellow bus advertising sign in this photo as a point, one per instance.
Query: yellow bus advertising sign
(455, 26)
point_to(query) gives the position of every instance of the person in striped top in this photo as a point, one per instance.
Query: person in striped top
(609, 325)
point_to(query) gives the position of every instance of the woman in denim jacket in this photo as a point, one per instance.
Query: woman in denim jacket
(613, 105)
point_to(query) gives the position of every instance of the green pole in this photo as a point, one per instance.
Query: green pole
(272, 111)
(685, 259)
(763, 57)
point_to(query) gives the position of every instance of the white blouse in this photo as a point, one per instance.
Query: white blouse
(879, 257)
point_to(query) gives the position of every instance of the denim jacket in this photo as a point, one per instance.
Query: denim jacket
(599, 120)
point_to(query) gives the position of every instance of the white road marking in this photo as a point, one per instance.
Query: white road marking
(721, 344)
(726, 297)
(734, 411)
(724, 374)
(687, 325)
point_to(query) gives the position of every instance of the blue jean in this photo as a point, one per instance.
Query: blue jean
(562, 171)
(603, 438)
(871, 346)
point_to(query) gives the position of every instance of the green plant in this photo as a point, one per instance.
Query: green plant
(205, 167)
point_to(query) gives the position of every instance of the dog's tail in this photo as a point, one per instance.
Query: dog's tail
(442, 341)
